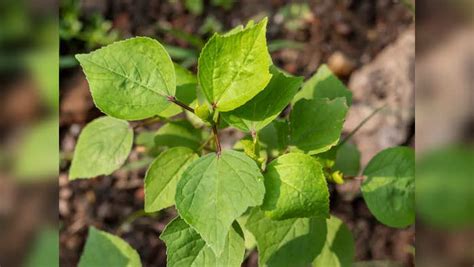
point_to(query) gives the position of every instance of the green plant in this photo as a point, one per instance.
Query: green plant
(188, 57)
(444, 187)
(44, 250)
(272, 189)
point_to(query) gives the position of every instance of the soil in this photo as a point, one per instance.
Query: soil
(351, 32)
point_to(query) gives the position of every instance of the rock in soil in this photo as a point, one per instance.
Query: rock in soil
(389, 81)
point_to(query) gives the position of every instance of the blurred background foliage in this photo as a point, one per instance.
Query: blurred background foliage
(29, 148)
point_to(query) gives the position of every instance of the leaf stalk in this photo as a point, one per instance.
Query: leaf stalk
(179, 103)
(216, 137)
(214, 125)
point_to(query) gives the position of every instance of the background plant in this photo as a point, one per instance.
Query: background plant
(272, 187)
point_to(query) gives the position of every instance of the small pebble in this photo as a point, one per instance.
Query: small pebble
(340, 64)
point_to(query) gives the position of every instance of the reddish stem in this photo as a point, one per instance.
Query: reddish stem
(216, 137)
(179, 103)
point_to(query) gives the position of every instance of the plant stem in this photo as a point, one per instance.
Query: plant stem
(256, 144)
(253, 133)
(360, 125)
(179, 103)
(214, 125)
(216, 137)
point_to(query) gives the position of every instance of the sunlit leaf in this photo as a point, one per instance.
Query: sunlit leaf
(130, 79)
(185, 247)
(389, 189)
(103, 146)
(215, 190)
(233, 68)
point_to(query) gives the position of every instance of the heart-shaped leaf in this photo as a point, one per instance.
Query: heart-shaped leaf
(339, 247)
(102, 148)
(130, 79)
(104, 249)
(295, 187)
(316, 125)
(215, 190)
(389, 189)
(185, 247)
(163, 176)
(292, 242)
(324, 84)
(234, 67)
(267, 105)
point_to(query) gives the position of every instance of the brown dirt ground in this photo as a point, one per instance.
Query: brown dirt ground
(357, 29)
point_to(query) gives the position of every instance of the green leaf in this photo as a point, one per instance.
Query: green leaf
(295, 187)
(292, 242)
(38, 156)
(104, 249)
(339, 247)
(444, 187)
(184, 76)
(187, 56)
(146, 139)
(163, 175)
(233, 68)
(45, 250)
(185, 247)
(186, 83)
(194, 119)
(239, 28)
(348, 159)
(178, 133)
(43, 65)
(316, 125)
(344, 158)
(130, 79)
(215, 190)
(249, 239)
(324, 84)
(389, 189)
(249, 147)
(103, 146)
(203, 112)
(275, 136)
(328, 158)
(267, 105)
